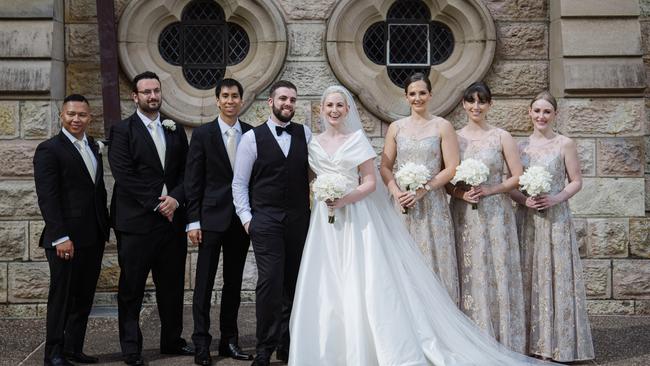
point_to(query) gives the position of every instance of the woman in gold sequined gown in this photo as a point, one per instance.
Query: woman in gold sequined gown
(429, 141)
(491, 292)
(556, 313)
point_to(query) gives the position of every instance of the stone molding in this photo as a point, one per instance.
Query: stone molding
(475, 44)
(142, 22)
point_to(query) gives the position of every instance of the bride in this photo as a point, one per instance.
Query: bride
(365, 295)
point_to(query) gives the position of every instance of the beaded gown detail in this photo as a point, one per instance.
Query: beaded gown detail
(491, 291)
(556, 312)
(429, 221)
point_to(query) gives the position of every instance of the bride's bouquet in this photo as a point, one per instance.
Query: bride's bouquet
(329, 187)
(535, 181)
(411, 176)
(471, 172)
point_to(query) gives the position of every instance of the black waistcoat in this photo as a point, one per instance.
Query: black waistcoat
(279, 185)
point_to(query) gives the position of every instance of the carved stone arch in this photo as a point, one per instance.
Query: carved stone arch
(142, 22)
(475, 42)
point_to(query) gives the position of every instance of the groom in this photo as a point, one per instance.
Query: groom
(271, 196)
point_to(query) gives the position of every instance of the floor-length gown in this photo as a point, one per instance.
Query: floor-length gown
(366, 297)
(429, 221)
(491, 290)
(556, 312)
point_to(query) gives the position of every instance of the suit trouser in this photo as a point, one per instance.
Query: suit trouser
(278, 249)
(234, 242)
(70, 298)
(163, 252)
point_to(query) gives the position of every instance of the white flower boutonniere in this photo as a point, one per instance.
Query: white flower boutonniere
(100, 146)
(169, 124)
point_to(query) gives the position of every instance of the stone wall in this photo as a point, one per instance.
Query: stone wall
(610, 125)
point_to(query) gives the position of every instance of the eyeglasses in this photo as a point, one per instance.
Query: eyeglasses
(148, 92)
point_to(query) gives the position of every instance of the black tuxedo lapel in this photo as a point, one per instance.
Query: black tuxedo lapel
(76, 155)
(216, 139)
(139, 126)
(98, 157)
(169, 143)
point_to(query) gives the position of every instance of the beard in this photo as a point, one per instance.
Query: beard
(146, 108)
(277, 112)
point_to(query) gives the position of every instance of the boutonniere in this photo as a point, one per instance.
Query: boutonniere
(169, 124)
(100, 146)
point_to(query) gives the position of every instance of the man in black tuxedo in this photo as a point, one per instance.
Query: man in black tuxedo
(271, 193)
(147, 159)
(213, 224)
(69, 181)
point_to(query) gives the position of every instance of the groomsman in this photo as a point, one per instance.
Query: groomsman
(147, 159)
(213, 224)
(69, 181)
(271, 194)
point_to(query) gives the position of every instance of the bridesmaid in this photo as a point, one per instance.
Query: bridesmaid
(491, 290)
(556, 314)
(431, 141)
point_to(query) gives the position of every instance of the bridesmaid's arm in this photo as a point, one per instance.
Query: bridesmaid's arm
(511, 154)
(367, 186)
(572, 164)
(388, 156)
(450, 155)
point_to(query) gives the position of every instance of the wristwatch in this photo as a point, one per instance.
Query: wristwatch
(427, 188)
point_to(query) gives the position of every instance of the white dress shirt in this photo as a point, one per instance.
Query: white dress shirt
(223, 127)
(246, 156)
(146, 120)
(89, 152)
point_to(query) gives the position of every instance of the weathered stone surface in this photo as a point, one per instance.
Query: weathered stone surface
(26, 38)
(311, 78)
(595, 8)
(509, 114)
(18, 199)
(631, 279)
(110, 273)
(3, 283)
(18, 311)
(517, 10)
(296, 9)
(82, 42)
(512, 78)
(645, 8)
(85, 79)
(610, 196)
(587, 156)
(28, 9)
(16, 158)
(645, 36)
(36, 253)
(582, 76)
(647, 192)
(259, 113)
(76, 10)
(598, 278)
(607, 238)
(8, 119)
(24, 76)
(616, 37)
(641, 307)
(35, 119)
(306, 40)
(105, 298)
(28, 282)
(13, 240)
(621, 157)
(610, 307)
(640, 237)
(601, 117)
(582, 235)
(525, 41)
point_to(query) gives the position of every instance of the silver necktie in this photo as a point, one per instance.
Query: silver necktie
(86, 158)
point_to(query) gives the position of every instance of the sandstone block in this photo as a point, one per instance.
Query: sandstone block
(311, 78)
(36, 253)
(640, 237)
(31, 76)
(610, 307)
(36, 118)
(525, 41)
(259, 112)
(16, 158)
(607, 238)
(645, 8)
(595, 8)
(28, 39)
(110, 273)
(587, 156)
(105, 298)
(85, 79)
(3, 283)
(621, 157)
(8, 311)
(598, 278)
(598, 75)
(610, 196)
(616, 37)
(647, 192)
(512, 78)
(296, 9)
(18, 199)
(645, 37)
(631, 279)
(601, 117)
(80, 10)
(13, 240)
(30, 9)
(641, 307)
(82, 42)
(28, 282)
(8, 119)
(306, 40)
(582, 235)
(518, 10)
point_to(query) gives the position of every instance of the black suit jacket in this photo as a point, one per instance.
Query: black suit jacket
(208, 186)
(71, 204)
(139, 176)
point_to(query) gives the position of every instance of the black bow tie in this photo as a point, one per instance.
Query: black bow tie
(288, 128)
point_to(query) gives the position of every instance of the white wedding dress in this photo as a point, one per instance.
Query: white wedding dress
(365, 295)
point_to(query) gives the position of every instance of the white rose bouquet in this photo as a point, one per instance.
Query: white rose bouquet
(471, 172)
(329, 187)
(411, 176)
(535, 181)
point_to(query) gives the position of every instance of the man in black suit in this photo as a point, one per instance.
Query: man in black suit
(147, 159)
(69, 181)
(271, 194)
(213, 223)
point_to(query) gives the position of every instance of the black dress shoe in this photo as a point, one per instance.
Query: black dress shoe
(186, 350)
(282, 355)
(261, 362)
(203, 358)
(57, 361)
(134, 359)
(80, 357)
(232, 350)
